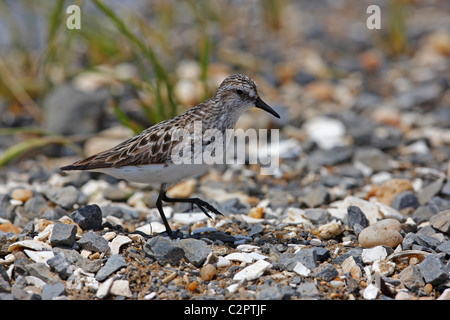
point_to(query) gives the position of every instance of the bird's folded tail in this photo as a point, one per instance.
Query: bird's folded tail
(85, 164)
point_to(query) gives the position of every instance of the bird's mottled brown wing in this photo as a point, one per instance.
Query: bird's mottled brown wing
(151, 146)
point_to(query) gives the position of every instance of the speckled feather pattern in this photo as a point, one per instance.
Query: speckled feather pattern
(154, 145)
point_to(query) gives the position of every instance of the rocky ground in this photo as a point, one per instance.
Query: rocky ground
(360, 209)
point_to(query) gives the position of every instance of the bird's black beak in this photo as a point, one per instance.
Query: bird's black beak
(262, 105)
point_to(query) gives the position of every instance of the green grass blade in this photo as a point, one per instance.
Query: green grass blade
(23, 147)
(160, 72)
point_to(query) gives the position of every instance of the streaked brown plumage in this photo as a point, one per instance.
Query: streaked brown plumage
(147, 156)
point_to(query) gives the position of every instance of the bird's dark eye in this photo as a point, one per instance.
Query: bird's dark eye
(239, 92)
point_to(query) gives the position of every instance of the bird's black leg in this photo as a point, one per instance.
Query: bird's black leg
(203, 205)
(162, 194)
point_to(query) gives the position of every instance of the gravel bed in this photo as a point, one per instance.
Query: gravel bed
(348, 245)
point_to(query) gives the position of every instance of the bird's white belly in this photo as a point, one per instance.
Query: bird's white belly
(155, 173)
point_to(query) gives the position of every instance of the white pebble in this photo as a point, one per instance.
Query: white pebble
(150, 296)
(301, 269)
(222, 262)
(233, 288)
(109, 235)
(121, 288)
(104, 287)
(373, 254)
(253, 271)
(153, 227)
(371, 292)
(247, 247)
(325, 131)
(39, 256)
(445, 295)
(117, 242)
(238, 256)
(30, 244)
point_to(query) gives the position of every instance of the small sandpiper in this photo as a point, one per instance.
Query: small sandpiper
(148, 156)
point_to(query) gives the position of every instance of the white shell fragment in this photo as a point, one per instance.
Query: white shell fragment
(39, 256)
(30, 244)
(238, 256)
(371, 292)
(121, 288)
(153, 227)
(117, 242)
(301, 269)
(373, 254)
(253, 271)
(104, 287)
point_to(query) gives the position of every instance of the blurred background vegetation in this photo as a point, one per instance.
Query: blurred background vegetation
(145, 61)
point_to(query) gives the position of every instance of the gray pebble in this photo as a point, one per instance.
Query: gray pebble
(5, 283)
(441, 221)
(427, 241)
(424, 213)
(114, 263)
(6, 296)
(42, 271)
(333, 156)
(195, 251)
(6, 209)
(63, 235)
(322, 254)
(36, 206)
(83, 112)
(428, 192)
(433, 270)
(326, 272)
(373, 158)
(444, 247)
(61, 265)
(163, 250)
(256, 229)
(316, 197)
(269, 293)
(308, 290)
(317, 216)
(89, 265)
(307, 257)
(92, 241)
(409, 240)
(446, 188)
(357, 217)
(404, 200)
(88, 217)
(114, 193)
(411, 278)
(65, 197)
(51, 291)
(119, 212)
